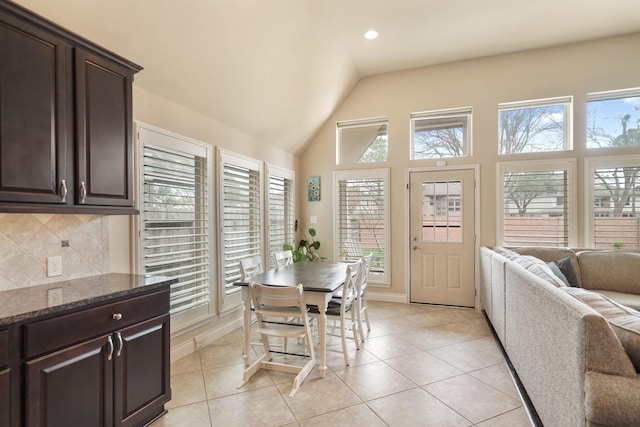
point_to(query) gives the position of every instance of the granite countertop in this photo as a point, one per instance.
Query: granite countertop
(19, 305)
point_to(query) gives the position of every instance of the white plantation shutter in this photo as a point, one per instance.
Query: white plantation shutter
(614, 194)
(175, 232)
(280, 210)
(241, 211)
(537, 205)
(362, 218)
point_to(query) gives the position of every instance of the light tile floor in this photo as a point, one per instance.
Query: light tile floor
(419, 366)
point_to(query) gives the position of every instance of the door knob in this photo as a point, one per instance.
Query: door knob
(415, 248)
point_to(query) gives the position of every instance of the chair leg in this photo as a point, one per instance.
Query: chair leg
(358, 306)
(252, 369)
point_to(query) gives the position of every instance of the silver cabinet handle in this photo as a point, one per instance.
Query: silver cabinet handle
(83, 192)
(120, 344)
(110, 343)
(117, 316)
(63, 190)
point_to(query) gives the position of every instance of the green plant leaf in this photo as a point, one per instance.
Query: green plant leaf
(316, 245)
(312, 232)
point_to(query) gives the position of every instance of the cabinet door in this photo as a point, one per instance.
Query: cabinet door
(5, 397)
(71, 387)
(104, 132)
(142, 372)
(33, 122)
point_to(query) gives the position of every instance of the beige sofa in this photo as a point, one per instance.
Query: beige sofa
(567, 355)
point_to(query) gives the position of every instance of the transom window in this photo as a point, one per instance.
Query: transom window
(613, 119)
(535, 126)
(362, 141)
(438, 134)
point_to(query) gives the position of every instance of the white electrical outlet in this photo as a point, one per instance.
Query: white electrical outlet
(54, 266)
(54, 297)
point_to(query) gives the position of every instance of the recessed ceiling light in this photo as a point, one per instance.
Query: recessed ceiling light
(371, 34)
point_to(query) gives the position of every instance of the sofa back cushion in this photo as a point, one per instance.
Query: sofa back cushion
(610, 271)
(624, 321)
(548, 254)
(540, 269)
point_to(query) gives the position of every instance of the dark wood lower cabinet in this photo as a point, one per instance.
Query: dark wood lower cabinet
(118, 378)
(71, 387)
(5, 397)
(142, 372)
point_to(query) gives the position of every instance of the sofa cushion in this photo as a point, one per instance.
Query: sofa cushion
(566, 267)
(624, 321)
(550, 254)
(610, 271)
(629, 300)
(539, 268)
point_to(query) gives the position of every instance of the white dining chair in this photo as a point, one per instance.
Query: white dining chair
(361, 295)
(283, 258)
(286, 302)
(250, 266)
(345, 304)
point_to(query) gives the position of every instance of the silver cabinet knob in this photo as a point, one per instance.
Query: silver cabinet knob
(117, 316)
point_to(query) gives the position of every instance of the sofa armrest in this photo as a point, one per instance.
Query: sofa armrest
(612, 400)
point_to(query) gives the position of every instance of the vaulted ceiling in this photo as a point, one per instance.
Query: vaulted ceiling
(276, 69)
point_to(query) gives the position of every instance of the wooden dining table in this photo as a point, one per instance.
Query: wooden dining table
(319, 281)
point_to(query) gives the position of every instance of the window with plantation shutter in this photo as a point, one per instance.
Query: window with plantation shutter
(613, 196)
(280, 210)
(175, 228)
(537, 204)
(362, 219)
(240, 216)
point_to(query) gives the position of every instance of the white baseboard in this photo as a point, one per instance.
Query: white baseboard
(192, 345)
(386, 297)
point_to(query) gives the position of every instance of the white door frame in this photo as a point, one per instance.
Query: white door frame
(407, 234)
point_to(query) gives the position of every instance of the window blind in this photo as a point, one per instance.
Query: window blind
(175, 232)
(536, 208)
(242, 217)
(616, 220)
(361, 222)
(281, 207)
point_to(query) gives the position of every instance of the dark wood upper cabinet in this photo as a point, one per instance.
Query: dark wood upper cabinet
(66, 127)
(104, 132)
(33, 113)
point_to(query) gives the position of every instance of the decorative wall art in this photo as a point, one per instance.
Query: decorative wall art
(313, 188)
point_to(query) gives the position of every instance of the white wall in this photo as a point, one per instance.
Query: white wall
(576, 70)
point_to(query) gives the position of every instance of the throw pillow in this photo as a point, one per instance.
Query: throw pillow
(539, 268)
(624, 321)
(556, 270)
(566, 267)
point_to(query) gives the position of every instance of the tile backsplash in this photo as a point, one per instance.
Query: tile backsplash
(26, 240)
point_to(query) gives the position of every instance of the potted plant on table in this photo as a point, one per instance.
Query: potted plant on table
(307, 249)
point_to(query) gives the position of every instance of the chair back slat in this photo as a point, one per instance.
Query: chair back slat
(250, 266)
(283, 258)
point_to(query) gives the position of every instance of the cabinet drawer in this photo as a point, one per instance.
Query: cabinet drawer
(4, 348)
(51, 334)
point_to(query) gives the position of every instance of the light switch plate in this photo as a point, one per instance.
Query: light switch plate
(313, 219)
(54, 266)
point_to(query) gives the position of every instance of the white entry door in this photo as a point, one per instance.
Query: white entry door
(442, 217)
